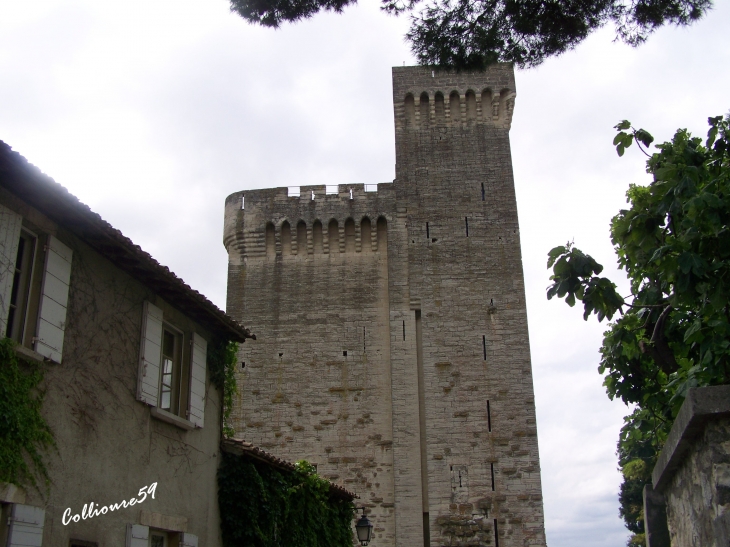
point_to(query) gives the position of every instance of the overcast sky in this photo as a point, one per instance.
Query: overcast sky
(153, 111)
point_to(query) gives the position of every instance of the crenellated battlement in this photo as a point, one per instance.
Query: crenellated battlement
(425, 98)
(297, 221)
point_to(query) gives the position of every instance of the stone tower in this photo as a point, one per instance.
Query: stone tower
(392, 346)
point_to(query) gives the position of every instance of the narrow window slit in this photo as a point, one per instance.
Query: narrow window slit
(344, 354)
(404, 330)
(427, 232)
(363, 339)
(492, 466)
(496, 534)
(483, 197)
(466, 221)
(489, 418)
(426, 531)
(484, 346)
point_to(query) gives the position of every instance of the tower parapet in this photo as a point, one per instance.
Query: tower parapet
(424, 98)
(306, 220)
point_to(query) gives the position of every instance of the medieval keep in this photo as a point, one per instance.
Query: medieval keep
(392, 347)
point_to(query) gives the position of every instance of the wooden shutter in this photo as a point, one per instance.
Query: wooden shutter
(188, 540)
(138, 535)
(26, 526)
(10, 223)
(150, 352)
(197, 380)
(54, 300)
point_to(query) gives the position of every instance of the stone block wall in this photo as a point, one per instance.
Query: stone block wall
(316, 384)
(689, 502)
(698, 497)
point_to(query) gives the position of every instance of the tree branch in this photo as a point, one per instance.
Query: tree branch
(658, 348)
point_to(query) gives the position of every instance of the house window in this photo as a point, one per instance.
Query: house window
(143, 536)
(20, 292)
(171, 371)
(82, 543)
(158, 539)
(35, 274)
(172, 379)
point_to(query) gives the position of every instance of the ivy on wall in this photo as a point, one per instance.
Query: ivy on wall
(24, 434)
(263, 507)
(222, 366)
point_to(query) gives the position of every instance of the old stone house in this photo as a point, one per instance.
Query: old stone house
(122, 342)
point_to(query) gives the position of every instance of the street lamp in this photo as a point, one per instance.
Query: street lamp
(364, 529)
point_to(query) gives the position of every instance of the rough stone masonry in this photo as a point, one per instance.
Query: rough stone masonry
(392, 346)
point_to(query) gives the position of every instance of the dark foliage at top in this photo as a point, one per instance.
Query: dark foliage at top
(470, 34)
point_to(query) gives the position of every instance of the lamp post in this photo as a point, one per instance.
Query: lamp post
(364, 529)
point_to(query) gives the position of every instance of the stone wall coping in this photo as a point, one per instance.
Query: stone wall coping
(171, 523)
(700, 406)
(11, 493)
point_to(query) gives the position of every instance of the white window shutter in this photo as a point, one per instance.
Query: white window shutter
(138, 535)
(197, 380)
(148, 379)
(10, 224)
(26, 526)
(54, 300)
(188, 540)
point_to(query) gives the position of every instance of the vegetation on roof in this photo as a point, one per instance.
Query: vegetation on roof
(265, 506)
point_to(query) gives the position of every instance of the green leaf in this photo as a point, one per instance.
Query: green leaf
(623, 125)
(644, 137)
(554, 253)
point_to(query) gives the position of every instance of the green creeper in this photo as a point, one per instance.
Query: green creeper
(24, 434)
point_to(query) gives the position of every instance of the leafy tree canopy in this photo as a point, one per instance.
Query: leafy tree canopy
(470, 34)
(673, 331)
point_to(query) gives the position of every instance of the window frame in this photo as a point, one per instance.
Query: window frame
(178, 369)
(39, 322)
(82, 543)
(17, 327)
(189, 372)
